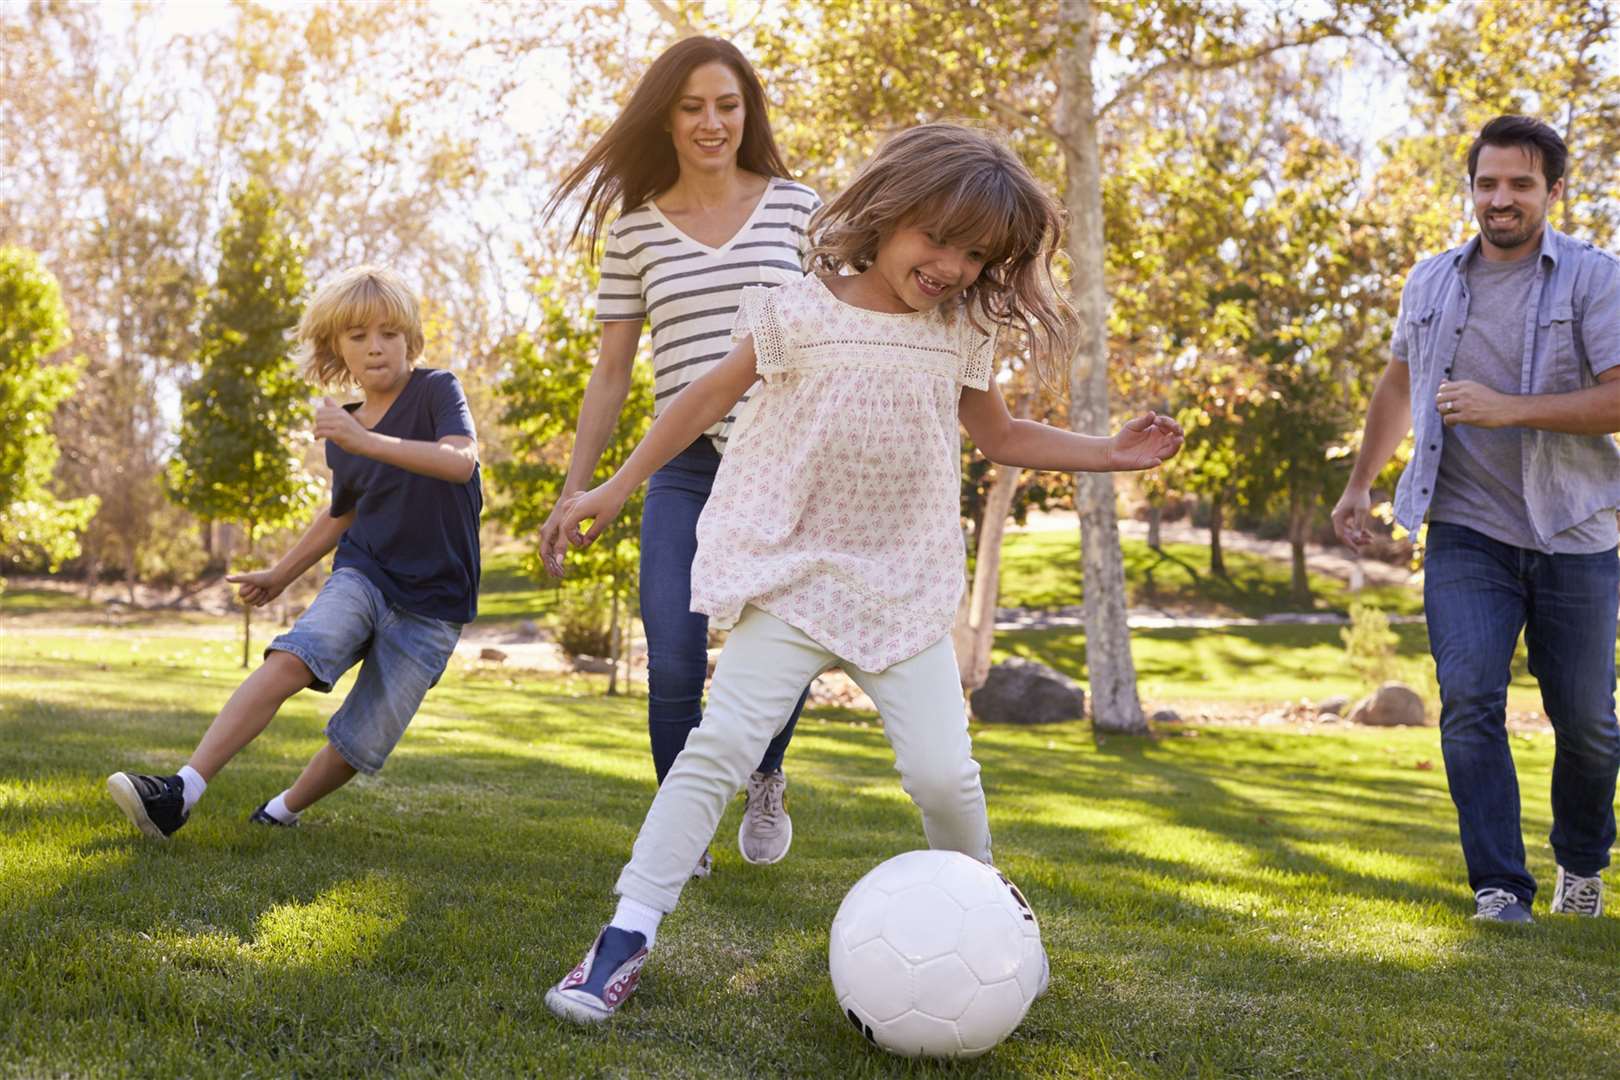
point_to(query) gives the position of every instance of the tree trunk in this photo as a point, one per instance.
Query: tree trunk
(613, 640)
(1217, 509)
(1155, 519)
(1111, 672)
(247, 608)
(1299, 519)
(975, 628)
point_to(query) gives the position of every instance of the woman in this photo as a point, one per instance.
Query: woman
(706, 208)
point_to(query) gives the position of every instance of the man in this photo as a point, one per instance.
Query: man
(1507, 364)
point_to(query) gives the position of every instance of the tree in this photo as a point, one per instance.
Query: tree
(240, 455)
(33, 326)
(543, 385)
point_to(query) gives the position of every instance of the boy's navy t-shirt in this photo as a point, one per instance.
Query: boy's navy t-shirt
(414, 537)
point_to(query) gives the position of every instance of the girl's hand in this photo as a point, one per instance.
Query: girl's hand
(600, 504)
(334, 422)
(1145, 442)
(257, 588)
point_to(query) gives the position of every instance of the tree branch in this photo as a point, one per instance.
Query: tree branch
(1187, 63)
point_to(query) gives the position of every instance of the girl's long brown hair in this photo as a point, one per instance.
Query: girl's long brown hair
(967, 189)
(635, 160)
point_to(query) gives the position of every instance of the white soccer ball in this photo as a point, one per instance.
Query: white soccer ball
(935, 954)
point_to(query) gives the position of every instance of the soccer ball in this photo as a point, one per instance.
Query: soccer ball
(935, 954)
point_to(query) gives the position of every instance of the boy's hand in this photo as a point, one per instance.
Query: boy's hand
(257, 588)
(1145, 443)
(600, 504)
(334, 422)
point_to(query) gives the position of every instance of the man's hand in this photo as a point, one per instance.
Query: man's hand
(334, 422)
(1471, 403)
(1350, 515)
(1145, 443)
(257, 588)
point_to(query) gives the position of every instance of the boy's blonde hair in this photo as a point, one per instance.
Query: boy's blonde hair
(967, 189)
(354, 298)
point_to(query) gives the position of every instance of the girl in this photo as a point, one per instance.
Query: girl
(833, 535)
(706, 209)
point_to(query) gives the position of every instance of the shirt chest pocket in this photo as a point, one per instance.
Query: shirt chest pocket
(1420, 334)
(1563, 369)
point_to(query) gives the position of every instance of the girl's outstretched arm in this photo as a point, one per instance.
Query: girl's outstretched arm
(705, 402)
(1143, 443)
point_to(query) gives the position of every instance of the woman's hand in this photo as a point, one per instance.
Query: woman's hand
(553, 544)
(1145, 442)
(600, 505)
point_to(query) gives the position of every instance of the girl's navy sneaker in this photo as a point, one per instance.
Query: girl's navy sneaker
(156, 805)
(603, 981)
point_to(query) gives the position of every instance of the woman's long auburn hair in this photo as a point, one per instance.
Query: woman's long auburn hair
(635, 160)
(968, 189)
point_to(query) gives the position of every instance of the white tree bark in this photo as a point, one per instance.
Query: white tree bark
(1111, 671)
(975, 628)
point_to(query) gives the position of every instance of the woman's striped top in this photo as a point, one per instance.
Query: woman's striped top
(689, 291)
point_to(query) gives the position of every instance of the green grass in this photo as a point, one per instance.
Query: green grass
(1042, 570)
(1223, 902)
(17, 602)
(1252, 665)
(506, 593)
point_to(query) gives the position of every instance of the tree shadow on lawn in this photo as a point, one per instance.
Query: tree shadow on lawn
(474, 872)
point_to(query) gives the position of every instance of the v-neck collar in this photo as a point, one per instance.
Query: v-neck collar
(753, 216)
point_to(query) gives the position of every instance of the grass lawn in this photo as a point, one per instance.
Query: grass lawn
(1042, 570)
(1223, 902)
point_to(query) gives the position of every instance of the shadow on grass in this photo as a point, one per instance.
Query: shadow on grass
(412, 924)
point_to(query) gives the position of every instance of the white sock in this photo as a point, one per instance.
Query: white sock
(637, 918)
(277, 808)
(193, 786)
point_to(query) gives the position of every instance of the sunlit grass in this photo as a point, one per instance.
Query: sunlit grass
(1042, 570)
(1252, 666)
(1217, 902)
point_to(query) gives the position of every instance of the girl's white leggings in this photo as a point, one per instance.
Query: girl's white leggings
(762, 670)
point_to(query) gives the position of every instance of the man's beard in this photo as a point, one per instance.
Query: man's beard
(1510, 235)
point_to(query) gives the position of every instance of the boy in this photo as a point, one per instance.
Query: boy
(404, 518)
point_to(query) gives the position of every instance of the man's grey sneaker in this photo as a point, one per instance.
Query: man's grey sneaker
(766, 831)
(705, 865)
(603, 981)
(1499, 905)
(262, 816)
(156, 805)
(1576, 895)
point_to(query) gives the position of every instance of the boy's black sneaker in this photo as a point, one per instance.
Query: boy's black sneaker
(156, 805)
(262, 816)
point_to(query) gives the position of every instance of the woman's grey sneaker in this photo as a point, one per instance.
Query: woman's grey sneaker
(156, 805)
(1499, 905)
(262, 816)
(1576, 895)
(766, 831)
(603, 981)
(705, 865)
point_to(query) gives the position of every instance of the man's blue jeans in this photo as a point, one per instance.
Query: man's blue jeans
(1478, 594)
(678, 637)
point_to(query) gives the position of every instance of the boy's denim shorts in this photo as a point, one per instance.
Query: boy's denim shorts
(404, 656)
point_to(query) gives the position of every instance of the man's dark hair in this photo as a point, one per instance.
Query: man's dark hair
(1541, 142)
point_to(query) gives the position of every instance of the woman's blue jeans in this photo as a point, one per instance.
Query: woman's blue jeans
(678, 637)
(1478, 594)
